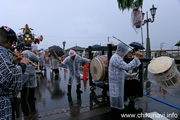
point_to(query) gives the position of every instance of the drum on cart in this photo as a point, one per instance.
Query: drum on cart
(99, 68)
(164, 71)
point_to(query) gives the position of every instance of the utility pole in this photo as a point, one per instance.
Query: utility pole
(161, 45)
(108, 39)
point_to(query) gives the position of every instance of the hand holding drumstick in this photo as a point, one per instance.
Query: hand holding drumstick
(25, 60)
(133, 75)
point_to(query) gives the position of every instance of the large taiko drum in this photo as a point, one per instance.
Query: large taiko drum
(99, 68)
(165, 71)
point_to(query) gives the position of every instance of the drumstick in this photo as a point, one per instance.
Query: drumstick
(55, 54)
(22, 57)
(138, 71)
(123, 42)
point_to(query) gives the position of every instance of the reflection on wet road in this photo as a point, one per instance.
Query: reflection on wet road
(51, 96)
(52, 101)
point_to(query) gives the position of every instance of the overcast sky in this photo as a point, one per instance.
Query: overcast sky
(89, 22)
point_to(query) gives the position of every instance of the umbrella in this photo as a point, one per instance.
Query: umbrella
(65, 55)
(136, 45)
(177, 44)
(58, 50)
(96, 46)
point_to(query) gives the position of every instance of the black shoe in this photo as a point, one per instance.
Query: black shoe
(79, 91)
(69, 90)
(68, 94)
(31, 99)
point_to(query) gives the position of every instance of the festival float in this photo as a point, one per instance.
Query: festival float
(27, 38)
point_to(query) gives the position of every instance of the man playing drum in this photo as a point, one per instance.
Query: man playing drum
(117, 73)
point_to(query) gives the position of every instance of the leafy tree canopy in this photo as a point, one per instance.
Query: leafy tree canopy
(129, 4)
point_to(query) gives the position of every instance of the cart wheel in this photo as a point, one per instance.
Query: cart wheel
(104, 92)
(92, 95)
(131, 98)
(93, 88)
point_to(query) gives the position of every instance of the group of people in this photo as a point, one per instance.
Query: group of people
(117, 73)
(17, 74)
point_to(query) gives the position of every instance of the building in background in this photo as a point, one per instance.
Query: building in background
(76, 48)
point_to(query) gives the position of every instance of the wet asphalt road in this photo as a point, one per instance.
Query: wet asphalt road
(51, 95)
(53, 103)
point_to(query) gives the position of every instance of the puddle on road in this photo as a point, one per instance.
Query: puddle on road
(52, 100)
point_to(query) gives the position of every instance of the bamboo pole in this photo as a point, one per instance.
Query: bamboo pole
(55, 54)
(22, 57)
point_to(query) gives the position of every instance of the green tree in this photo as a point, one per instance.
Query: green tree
(127, 4)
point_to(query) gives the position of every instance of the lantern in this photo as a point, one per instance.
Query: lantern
(40, 38)
(136, 18)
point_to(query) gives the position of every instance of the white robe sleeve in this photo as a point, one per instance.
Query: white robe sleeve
(128, 66)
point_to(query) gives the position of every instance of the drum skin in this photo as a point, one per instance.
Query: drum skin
(164, 71)
(160, 65)
(99, 68)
